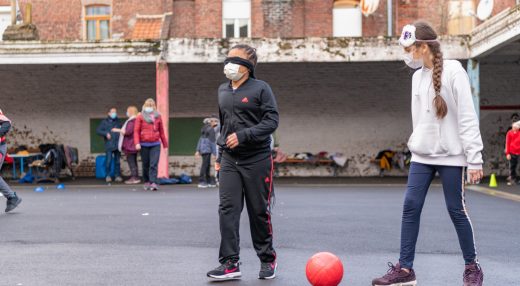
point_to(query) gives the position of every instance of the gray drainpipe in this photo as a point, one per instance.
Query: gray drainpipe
(389, 17)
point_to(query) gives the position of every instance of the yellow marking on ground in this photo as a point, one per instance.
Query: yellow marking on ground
(495, 193)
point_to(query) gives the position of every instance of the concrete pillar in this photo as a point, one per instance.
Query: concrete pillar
(162, 98)
(474, 81)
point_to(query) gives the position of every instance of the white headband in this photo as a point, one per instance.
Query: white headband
(408, 37)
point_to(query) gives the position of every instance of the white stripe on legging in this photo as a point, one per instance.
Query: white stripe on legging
(465, 209)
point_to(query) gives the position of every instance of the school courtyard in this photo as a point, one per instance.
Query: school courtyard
(119, 235)
(342, 90)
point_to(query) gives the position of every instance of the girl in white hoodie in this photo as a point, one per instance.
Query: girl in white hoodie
(446, 140)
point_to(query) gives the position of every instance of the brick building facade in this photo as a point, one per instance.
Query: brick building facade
(352, 86)
(65, 19)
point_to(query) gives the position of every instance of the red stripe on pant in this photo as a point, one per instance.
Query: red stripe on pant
(269, 202)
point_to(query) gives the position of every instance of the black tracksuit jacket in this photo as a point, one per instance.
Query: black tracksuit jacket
(251, 112)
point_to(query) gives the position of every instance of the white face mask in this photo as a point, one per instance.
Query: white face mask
(231, 71)
(411, 62)
(148, 109)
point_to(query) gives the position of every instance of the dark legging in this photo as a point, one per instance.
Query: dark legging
(513, 165)
(131, 158)
(150, 157)
(419, 181)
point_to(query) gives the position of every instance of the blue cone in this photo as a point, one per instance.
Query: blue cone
(60, 187)
(39, 189)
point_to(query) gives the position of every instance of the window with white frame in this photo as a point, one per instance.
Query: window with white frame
(236, 18)
(346, 19)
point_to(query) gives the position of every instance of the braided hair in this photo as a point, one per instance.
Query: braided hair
(424, 31)
(250, 51)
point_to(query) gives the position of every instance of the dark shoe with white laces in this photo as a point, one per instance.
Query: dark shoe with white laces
(227, 271)
(395, 276)
(12, 203)
(268, 270)
(473, 275)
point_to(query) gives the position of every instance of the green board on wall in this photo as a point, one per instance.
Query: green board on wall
(184, 135)
(96, 142)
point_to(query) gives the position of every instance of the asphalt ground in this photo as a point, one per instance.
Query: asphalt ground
(119, 235)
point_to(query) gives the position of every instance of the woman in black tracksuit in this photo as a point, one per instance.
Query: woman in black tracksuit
(248, 116)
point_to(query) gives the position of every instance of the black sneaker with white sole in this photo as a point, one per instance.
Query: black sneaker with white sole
(267, 270)
(227, 271)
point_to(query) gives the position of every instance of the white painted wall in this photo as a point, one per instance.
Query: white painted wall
(5, 19)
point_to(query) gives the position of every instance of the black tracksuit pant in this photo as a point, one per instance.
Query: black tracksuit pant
(250, 181)
(205, 170)
(513, 165)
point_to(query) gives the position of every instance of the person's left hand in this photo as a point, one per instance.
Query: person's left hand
(474, 176)
(232, 141)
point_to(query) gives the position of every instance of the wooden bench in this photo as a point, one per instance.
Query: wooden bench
(320, 162)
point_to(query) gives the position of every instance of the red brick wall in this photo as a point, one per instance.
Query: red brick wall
(375, 24)
(502, 5)
(406, 14)
(125, 12)
(60, 20)
(257, 19)
(63, 19)
(183, 22)
(318, 18)
(208, 18)
(435, 12)
(271, 18)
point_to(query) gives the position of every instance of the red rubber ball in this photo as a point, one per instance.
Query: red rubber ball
(324, 269)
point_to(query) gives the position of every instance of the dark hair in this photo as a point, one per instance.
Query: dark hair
(424, 31)
(250, 51)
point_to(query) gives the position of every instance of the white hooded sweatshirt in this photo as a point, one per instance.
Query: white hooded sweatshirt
(454, 140)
